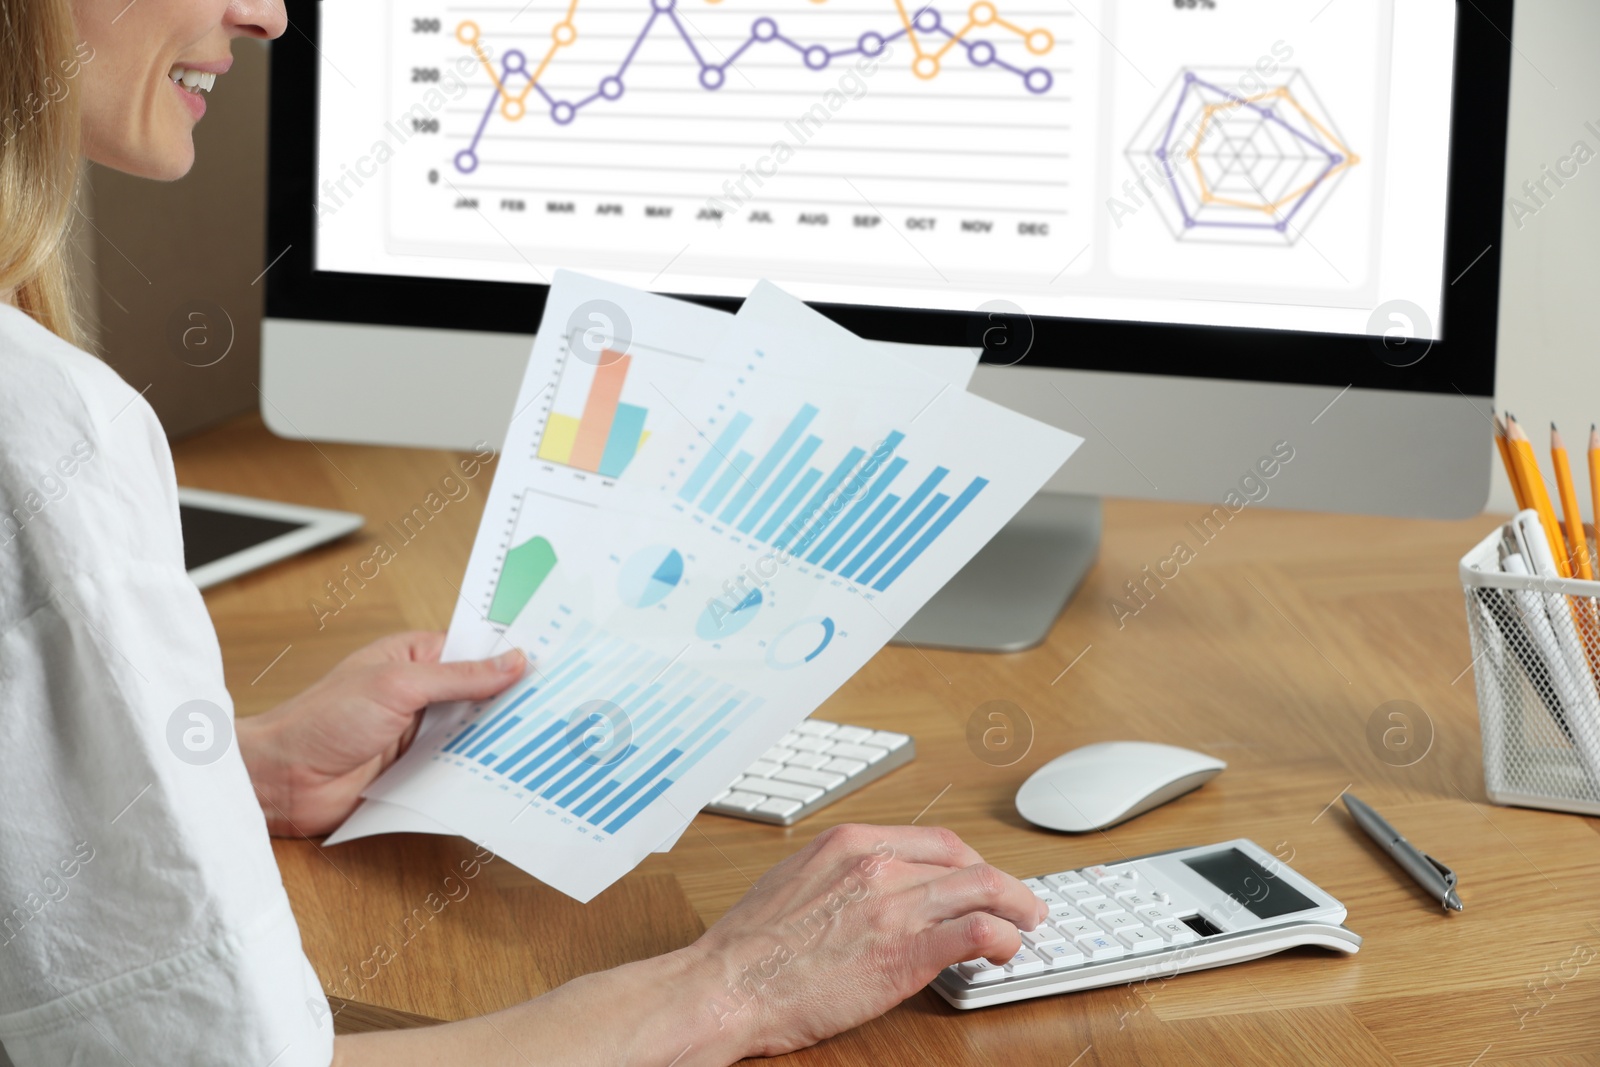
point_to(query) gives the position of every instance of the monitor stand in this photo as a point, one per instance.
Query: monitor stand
(1010, 594)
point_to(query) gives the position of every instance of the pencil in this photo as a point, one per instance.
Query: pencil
(1504, 446)
(1538, 496)
(1577, 541)
(1594, 471)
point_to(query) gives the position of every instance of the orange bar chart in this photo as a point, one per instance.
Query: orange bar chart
(605, 437)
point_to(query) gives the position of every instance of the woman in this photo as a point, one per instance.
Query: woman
(142, 919)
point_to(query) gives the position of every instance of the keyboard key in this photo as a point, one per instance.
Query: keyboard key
(792, 790)
(788, 739)
(1098, 909)
(762, 769)
(853, 735)
(1072, 929)
(1061, 954)
(779, 806)
(1101, 947)
(741, 801)
(979, 971)
(1175, 932)
(1043, 934)
(864, 753)
(811, 744)
(887, 739)
(777, 754)
(806, 759)
(1080, 893)
(846, 767)
(1038, 887)
(816, 728)
(1024, 962)
(1141, 939)
(820, 779)
(1065, 878)
(1120, 921)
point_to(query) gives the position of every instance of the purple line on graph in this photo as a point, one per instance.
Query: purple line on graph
(1035, 80)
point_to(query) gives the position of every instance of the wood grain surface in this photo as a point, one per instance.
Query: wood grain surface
(1273, 649)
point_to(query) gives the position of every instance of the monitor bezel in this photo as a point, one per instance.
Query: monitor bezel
(1462, 361)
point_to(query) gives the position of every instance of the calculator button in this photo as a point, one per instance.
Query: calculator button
(1078, 893)
(1043, 934)
(1140, 939)
(980, 970)
(1049, 898)
(1117, 886)
(1154, 913)
(1175, 932)
(1065, 878)
(1120, 921)
(1101, 947)
(1061, 954)
(1162, 898)
(1024, 962)
(1099, 874)
(1096, 909)
(1075, 928)
(1063, 912)
(1135, 901)
(1038, 887)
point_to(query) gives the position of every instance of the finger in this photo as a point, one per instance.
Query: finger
(967, 937)
(475, 679)
(410, 646)
(982, 888)
(912, 844)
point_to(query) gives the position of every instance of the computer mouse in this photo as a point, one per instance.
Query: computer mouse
(1101, 785)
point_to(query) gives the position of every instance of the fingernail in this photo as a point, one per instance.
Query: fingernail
(505, 661)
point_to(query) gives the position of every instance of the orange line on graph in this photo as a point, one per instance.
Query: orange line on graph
(1347, 159)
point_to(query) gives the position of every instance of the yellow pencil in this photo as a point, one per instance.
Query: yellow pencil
(1504, 446)
(1594, 472)
(1577, 541)
(1538, 496)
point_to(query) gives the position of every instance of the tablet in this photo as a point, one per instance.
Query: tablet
(225, 535)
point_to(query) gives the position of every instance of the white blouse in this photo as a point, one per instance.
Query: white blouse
(142, 916)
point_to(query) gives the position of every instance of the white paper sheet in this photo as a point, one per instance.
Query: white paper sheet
(811, 494)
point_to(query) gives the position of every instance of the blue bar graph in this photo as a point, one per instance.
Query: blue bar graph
(894, 522)
(713, 459)
(545, 737)
(929, 510)
(852, 491)
(725, 483)
(775, 490)
(770, 461)
(790, 502)
(884, 507)
(813, 508)
(949, 514)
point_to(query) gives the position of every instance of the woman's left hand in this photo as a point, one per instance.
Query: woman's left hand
(311, 756)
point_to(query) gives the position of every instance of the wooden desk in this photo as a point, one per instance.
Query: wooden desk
(1272, 648)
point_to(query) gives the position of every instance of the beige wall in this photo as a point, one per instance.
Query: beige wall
(164, 252)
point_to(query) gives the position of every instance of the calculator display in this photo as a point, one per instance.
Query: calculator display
(1264, 895)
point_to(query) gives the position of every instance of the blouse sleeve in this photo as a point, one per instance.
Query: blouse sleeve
(142, 916)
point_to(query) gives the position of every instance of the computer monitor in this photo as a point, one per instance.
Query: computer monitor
(1248, 249)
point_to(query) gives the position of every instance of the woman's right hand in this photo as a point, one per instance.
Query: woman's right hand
(857, 921)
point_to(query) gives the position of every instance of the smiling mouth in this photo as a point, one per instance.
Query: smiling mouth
(194, 82)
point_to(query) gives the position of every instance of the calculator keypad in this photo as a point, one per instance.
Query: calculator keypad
(1097, 913)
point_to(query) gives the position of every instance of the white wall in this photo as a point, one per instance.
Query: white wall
(1549, 361)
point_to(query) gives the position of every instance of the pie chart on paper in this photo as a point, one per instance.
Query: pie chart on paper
(649, 576)
(719, 620)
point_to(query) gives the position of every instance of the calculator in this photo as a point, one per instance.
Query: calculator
(1154, 917)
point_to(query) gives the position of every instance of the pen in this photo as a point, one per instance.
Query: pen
(1435, 878)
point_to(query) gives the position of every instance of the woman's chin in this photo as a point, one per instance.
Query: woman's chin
(164, 162)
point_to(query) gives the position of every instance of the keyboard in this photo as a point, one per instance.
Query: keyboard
(809, 768)
(1154, 917)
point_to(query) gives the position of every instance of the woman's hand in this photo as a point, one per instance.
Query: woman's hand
(311, 756)
(848, 927)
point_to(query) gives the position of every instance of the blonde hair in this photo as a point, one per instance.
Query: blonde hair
(39, 157)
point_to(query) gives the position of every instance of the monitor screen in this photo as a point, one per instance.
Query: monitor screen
(1234, 163)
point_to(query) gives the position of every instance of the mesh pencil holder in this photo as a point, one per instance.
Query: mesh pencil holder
(1536, 656)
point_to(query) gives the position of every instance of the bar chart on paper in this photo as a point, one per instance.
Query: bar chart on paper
(865, 513)
(601, 732)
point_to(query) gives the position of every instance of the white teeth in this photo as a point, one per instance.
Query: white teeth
(194, 81)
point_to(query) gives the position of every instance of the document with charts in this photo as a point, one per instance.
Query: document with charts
(809, 496)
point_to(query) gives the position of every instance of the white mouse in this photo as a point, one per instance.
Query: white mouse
(1097, 786)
